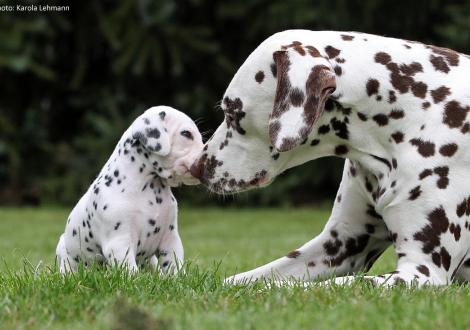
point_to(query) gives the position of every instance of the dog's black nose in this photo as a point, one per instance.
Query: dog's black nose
(197, 169)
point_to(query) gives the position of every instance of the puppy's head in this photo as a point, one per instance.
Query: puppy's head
(172, 142)
(270, 107)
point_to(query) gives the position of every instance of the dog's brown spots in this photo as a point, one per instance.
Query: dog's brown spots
(381, 119)
(455, 230)
(368, 185)
(414, 193)
(332, 247)
(288, 143)
(332, 52)
(341, 150)
(299, 49)
(353, 171)
(338, 70)
(454, 114)
(312, 51)
(443, 173)
(323, 129)
(273, 68)
(362, 116)
(445, 258)
(423, 270)
(372, 212)
(372, 87)
(439, 64)
(259, 77)
(448, 150)
(425, 105)
(234, 113)
(430, 234)
(347, 37)
(392, 98)
(314, 142)
(436, 258)
(400, 83)
(425, 148)
(296, 97)
(311, 264)
(397, 137)
(293, 254)
(451, 56)
(419, 89)
(461, 208)
(397, 114)
(425, 173)
(440, 94)
(352, 247)
(382, 58)
(411, 69)
(465, 128)
(340, 60)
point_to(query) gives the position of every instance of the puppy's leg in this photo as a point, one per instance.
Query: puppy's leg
(171, 252)
(119, 251)
(153, 262)
(65, 262)
(352, 240)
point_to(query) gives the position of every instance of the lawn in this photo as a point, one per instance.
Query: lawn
(217, 243)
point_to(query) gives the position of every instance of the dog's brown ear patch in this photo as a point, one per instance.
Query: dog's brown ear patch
(298, 104)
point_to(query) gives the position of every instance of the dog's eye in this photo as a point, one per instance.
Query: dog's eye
(187, 134)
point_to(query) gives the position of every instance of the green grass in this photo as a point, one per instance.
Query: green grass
(217, 243)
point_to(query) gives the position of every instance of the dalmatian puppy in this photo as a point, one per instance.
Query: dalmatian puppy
(128, 216)
(396, 110)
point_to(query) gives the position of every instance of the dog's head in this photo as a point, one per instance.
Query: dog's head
(172, 143)
(270, 108)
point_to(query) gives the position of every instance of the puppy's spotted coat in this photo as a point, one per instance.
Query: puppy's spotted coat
(396, 110)
(128, 216)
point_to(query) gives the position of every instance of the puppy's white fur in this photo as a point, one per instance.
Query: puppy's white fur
(128, 216)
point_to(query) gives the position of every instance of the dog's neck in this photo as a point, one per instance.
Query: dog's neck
(131, 164)
(353, 133)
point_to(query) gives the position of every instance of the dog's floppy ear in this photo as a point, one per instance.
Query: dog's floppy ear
(149, 130)
(304, 82)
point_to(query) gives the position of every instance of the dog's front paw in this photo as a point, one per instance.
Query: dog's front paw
(239, 280)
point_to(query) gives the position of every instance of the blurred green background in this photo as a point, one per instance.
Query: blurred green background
(72, 82)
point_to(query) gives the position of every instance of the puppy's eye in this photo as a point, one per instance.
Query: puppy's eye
(187, 134)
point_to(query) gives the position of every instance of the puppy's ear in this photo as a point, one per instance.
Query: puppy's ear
(304, 82)
(150, 131)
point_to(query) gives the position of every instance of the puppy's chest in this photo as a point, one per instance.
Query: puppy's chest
(156, 221)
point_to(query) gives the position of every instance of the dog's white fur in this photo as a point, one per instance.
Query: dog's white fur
(128, 216)
(396, 110)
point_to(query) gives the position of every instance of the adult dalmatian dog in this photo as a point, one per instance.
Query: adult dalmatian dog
(396, 110)
(128, 216)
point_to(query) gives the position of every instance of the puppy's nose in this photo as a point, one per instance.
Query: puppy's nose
(197, 169)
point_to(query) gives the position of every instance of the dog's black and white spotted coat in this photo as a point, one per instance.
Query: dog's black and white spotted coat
(396, 110)
(128, 216)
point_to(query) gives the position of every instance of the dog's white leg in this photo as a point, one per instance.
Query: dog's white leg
(171, 251)
(352, 240)
(118, 251)
(433, 250)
